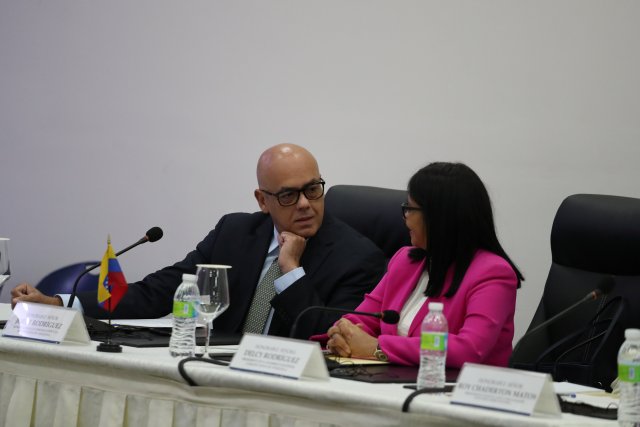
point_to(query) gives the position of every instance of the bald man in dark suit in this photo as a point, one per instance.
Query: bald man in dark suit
(322, 261)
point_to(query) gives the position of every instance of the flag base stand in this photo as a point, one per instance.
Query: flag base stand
(109, 347)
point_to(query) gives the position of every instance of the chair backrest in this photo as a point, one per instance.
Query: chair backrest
(372, 211)
(593, 237)
(61, 280)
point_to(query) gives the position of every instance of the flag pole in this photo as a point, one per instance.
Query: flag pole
(108, 346)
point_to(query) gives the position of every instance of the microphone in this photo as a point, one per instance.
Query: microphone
(387, 316)
(153, 235)
(604, 287)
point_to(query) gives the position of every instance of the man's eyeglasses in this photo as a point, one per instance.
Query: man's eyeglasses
(406, 209)
(290, 197)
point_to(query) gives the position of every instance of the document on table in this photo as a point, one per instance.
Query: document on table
(163, 322)
(579, 394)
(354, 361)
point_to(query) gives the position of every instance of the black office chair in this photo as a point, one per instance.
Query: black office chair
(61, 280)
(372, 211)
(593, 237)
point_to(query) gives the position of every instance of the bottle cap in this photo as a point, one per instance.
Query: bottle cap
(189, 278)
(632, 334)
(435, 306)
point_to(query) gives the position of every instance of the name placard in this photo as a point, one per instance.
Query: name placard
(283, 357)
(510, 390)
(46, 323)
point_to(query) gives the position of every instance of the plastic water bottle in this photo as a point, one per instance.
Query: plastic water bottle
(433, 348)
(629, 377)
(183, 333)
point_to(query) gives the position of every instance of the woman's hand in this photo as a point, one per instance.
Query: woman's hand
(349, 340)
(337, 343)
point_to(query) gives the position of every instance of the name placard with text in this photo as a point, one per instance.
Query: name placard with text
(505, 389)
(284, 357)
(46, 323)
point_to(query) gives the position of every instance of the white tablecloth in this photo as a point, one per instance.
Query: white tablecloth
(67, 385)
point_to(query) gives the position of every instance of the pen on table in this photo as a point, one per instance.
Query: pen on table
(568, 395)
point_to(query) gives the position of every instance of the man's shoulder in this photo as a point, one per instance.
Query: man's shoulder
(243, 219)
(236, 225)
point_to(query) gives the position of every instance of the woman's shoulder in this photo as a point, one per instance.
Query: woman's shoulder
(402, 255)
(488, 256)
(401, 260)
(488, 263)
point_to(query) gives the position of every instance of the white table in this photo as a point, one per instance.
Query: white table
(67, 385)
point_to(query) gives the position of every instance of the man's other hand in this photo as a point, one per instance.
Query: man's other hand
(26, 292)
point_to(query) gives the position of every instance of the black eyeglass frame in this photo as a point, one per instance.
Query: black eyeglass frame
(297, 191)
(406, 208)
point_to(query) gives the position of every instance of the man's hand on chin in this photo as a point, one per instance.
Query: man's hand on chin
(26, 292)
(291, 249)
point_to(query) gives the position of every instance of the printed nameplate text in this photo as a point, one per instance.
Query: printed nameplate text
(510, 390)
(46, 323)
(284, 357)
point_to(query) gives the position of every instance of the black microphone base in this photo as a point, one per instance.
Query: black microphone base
(109, 347)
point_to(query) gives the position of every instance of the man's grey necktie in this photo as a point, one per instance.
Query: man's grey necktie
(260, 306)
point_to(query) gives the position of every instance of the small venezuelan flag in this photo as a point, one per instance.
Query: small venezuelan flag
(111, 285)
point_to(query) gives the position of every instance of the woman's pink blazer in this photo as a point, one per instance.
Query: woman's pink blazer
(480, 314)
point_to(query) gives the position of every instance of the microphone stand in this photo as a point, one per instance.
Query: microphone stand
(152, 235)
(107, 346)
(591, 296)
(74, 290)
(292, 334)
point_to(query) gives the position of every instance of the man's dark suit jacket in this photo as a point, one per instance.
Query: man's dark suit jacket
(340, 265)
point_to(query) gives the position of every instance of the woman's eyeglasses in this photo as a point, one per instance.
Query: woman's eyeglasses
(406, 209)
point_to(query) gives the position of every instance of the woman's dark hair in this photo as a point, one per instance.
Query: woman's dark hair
(458, 221)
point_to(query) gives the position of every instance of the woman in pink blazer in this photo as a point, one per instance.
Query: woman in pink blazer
(456, 259)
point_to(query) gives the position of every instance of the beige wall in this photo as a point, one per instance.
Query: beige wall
(117, 116)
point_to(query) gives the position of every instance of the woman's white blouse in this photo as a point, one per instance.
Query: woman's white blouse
(413, 305)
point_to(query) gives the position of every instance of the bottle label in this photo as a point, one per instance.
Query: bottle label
(184, 310)
(629, 373)
(434, 341)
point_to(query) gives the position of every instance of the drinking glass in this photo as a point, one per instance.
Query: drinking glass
(214, 295)
(5, 271)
